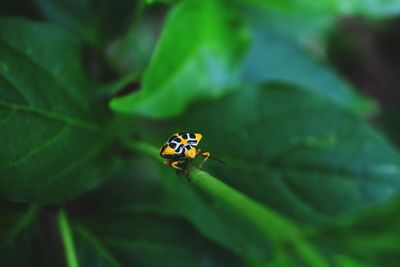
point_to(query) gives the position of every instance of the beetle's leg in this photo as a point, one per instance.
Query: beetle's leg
(183, 170)
(167, 162)
(174, 164)
(179, 170)
(206, 155)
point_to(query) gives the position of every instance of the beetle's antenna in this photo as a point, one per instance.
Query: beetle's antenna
(220, 161)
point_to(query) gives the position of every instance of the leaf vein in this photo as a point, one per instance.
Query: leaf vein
(91, 153)
(339, 174)
(52, 115)
(8, 117)
(16, 89)
(35, 150)
(39, 66)
(85, 233)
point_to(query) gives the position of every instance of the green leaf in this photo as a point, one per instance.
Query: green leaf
(137, 239)
(298, 153)
(201, 64)
(374, 8)
(215, 219)
(130, 54)
(15, 217)
(372, 236)
(152, 188)
(309, 30)
(54, 144)
(110, 237)
(22, 242)
(255, 232)
(136, 228)
(311, 21)
(95, 21)
(276, 57)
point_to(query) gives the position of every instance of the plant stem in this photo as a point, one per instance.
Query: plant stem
(109, 258)
(67, 238)
(274, 227)
(144, 148)
(25, 220)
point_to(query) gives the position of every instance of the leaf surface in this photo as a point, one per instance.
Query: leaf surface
(298, 153)
(146, 240)
(276, 57)
(202, 65)
(53, 137)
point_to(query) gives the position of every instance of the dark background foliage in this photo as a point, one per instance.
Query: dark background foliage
(300, 99)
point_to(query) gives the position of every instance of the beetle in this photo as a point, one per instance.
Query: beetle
(181, 148)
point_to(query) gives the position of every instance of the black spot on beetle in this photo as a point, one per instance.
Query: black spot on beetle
(187, 147)
(171, 138)
(178, 140)
(193, 136)
(184, 136)
(172, 145)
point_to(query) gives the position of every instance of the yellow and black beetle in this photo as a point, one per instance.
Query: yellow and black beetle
(181, 149)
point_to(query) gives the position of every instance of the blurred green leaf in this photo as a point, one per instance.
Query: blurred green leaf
(210, 216)
(374, 8)
(310, 21)
(298, 27)
(137, 239)
(15, 217)
(152, 188)
(137, 228)
(202, 65)
(371, 236)
(299, 153)
(22, 241)
(53, 143)
(276, 57)
(95, 21)
(246, 234)
(130, 54)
